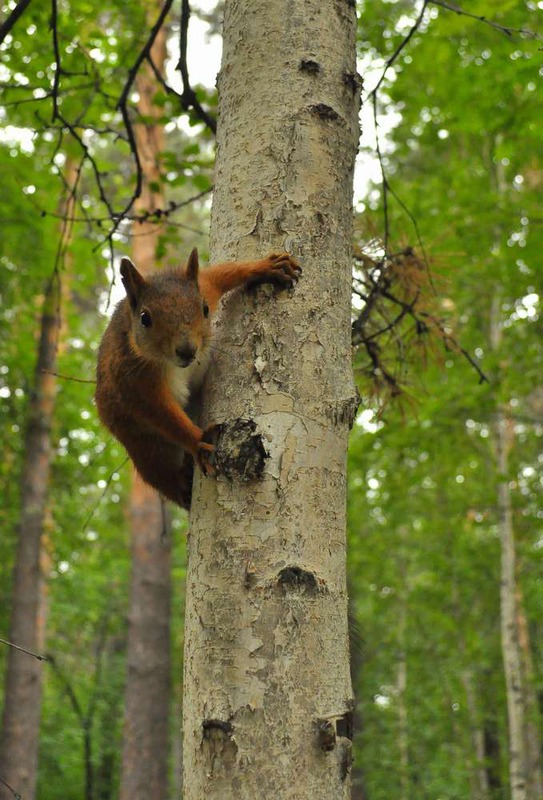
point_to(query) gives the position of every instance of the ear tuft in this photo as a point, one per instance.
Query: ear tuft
(192, 266)
(133, 282)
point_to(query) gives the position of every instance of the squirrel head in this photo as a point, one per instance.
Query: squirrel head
(169, 317)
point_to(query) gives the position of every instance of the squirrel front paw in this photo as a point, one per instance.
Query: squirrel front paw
(279, 268)
(205, 458)
(205, 452)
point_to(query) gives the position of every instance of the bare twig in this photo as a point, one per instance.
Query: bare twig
(8, 24)
(189, 98)
(15, 794)
(506, 30)
(390, 61)
(374, 95)
(122, 106)
(145, 216)
(24, 650)
(397, 283)
(68, 377)
(56, 50)
(103, 494)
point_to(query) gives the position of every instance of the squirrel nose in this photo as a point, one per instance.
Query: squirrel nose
(185, 354)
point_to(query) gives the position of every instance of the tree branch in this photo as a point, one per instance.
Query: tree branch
(502, 28)
(24, 650)
(122, 106)
(56, 50)
(8, 24)
(188, 97)
(15, 794)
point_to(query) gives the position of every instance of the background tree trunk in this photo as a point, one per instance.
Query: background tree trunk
(268, 698)
(512, 661)
(144, 770)
(479, 776)
(532, 734)
(19, 739)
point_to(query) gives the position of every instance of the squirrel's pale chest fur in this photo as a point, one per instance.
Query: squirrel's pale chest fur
(184, 382)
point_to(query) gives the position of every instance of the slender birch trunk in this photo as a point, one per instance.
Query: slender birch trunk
(511, 655)
(479, 776)
(533, 727)
(268, 698)
(480, 785)
(509, 632)
(19, 740)
(403, 728)
(144, 768)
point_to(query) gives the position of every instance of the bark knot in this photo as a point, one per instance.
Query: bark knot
(308, 65)
(324, 112)
(298, 578)
(240, 453)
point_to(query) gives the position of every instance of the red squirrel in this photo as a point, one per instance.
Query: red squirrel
(153, 358)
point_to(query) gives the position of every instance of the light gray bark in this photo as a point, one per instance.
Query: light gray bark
(512, 661)
(268, 697)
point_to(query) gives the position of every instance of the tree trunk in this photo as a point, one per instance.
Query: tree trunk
(532, 733)
(268, 698)
(19, 738)
(512, 661)
(479, 776)
(509, 632)
(403, 727)
(144, 770)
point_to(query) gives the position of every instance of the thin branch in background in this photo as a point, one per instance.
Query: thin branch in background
(122, 106)
(507, 31)
(416, 228)
(85, 720)
(394, 290)
(15, 794)
(390, 61)
(188, 97)
(103, 494)
(90, 158)
(58, 69)
(68, 377)
(384, 179)
(373, 95)
(8, 24)
(154, 215)
(24, 650)
(449, 340)
(386, 188)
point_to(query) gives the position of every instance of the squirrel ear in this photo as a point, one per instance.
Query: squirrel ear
(192, 266)
(133, 282)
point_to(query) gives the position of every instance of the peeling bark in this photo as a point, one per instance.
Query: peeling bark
(268, 695)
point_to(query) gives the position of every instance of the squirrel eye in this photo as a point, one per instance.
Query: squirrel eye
(205, 309)
(145, 319)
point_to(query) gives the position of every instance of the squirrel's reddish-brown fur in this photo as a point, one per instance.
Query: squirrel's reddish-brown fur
(153, 358)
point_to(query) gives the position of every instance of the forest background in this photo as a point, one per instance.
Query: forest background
(445, 486)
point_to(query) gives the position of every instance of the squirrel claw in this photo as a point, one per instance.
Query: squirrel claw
(284, 269)
(205, 456)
